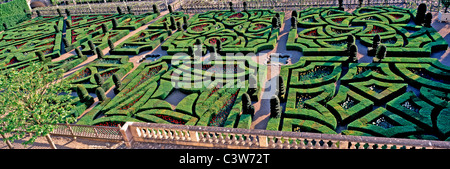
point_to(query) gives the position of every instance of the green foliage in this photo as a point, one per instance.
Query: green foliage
(275, 109)
(31, 100)
(13, 12)
(100, 94)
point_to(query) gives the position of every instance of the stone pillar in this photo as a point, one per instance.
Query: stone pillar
(126, 134)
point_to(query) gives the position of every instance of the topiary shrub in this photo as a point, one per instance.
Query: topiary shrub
(111, 44)
(129, 10)
(281, 88)
(67, 12)
(170, 8)
(275, 22)
(381, 52)
(231, 6)
(179, 27)
(341, 3)
(59, 12)
(56, 29)
(98, 79)
(91, 45)
(173, 25)
(100, 94)
(119, 10)
(41, 56)
(275, 109)
(81, 92)
(376, 41)
(114, 23)
(247, 104)
(99, 53)
(420, 16)
(78, 52)
(155, 9)
(66, 42)
(245, 5)
(427, 21)
(116, 79)
(294, 23)
(353, 52)
(104, 28)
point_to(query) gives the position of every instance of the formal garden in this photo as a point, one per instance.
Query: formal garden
(184, 75)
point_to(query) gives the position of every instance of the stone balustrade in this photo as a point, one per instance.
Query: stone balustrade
(220, 137)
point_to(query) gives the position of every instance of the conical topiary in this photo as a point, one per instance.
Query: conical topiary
(111, 44)
(155, 9)
(78, 52)
(281, 88)
(119, 10)
(173, 25)
(67, 12)
(275, 109)
(170, 8)
(99, 53)
(98, 79)
(100, 94)
(81, 92)
(427, 21)
(91, 45)
(381, 52)
(420, 16)
(114, 23)
(353, 53)
(41, 56)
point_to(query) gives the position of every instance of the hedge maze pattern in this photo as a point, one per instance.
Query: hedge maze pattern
(405, 94)
(324, 31)
(245, 31)
(143, 94)
(389, 99)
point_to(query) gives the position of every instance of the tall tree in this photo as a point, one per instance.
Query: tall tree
(33, 100)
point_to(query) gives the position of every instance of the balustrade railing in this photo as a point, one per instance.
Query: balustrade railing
(83, 131)
(221, 137)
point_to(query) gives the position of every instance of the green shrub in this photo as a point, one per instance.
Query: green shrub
(187, 104)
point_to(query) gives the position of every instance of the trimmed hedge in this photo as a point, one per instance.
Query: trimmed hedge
(150, 116)
(13, 12)
(305, 125)
(389, 90)
(360, 107)
(400, 127)
(419, 113)
(312, 108)
(187, 104)
(246, 32)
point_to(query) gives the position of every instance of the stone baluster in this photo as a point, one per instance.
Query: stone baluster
(235, 139)
(215, 138)
(286, 143)
(317, 145)
(176, 136)
(242, 140)
(279, 143)
(309, 144)
(170, 134)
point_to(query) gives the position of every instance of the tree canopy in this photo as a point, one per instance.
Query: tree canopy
(32, 100)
